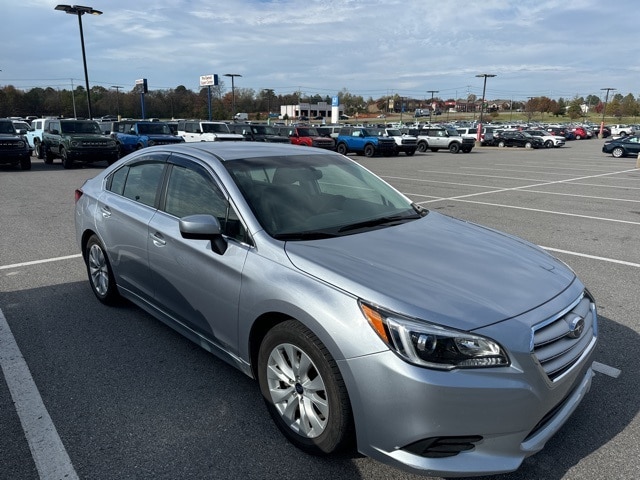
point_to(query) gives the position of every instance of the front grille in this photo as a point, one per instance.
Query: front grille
(561, 341)
(409, 141)
(323, 143)
(470, 141)
(12, 144)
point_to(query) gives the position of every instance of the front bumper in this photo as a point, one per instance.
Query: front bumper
(93, 155)
(502, 411)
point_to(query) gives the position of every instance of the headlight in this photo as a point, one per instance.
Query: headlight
(151, 143)
(75, 143)
(433, 346)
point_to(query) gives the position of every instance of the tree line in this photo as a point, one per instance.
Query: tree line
(182, 102)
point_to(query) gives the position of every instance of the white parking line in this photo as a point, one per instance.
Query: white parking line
(37, 262)
(48, 452)
(593, 257)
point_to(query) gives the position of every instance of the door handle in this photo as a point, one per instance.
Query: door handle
(158, 239)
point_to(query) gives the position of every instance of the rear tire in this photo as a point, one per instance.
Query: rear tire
(422, 147)
(46, 155)
(37, 147)
(101, 279)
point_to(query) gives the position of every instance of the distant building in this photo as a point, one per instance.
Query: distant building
(308, 110)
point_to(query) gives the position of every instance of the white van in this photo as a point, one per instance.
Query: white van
(241, 117)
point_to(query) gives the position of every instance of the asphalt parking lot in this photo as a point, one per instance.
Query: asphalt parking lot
(116, 394)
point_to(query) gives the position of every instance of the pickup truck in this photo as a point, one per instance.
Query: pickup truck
(364, 141)
(76, 141)
(132, 135)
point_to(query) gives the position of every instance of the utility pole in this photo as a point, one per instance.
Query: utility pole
(608, 89)
(431, 106)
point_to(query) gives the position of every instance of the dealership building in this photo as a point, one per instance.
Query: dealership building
(309, 110)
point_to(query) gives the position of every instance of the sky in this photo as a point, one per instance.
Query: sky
(371, 48)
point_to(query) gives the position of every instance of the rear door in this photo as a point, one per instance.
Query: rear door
(126, 208)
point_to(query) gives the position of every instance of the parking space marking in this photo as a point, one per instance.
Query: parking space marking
(37, 262)
(51, 459)
(606, 369)
(589, 217)
(593, 257)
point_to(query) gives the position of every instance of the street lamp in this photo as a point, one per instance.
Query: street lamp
(431, 106)
(233, 93)
(117, 87)
(79, 10)
(484, 89)
(601, 134)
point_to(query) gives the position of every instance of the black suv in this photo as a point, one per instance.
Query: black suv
(258, 133)
(76, 141)
(14, 148)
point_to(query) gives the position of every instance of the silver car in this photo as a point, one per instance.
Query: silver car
(432, 344)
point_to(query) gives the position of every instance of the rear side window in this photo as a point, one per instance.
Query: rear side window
(138, 182)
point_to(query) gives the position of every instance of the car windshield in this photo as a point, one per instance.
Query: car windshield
(452, 132)
(154, 129)
(7, 128)
(308, 132)
(318, 196)
(80, 127)
(215, 128)
(393, 132)
(263, 130)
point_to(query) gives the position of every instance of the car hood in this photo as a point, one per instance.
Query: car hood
(439, 269)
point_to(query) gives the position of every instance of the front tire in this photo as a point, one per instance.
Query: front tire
(410, 152)
(101, 279)
(501, 144)
(66, 161)
(342, 149)
(454, 148)
(304, 390)
(369, 151)
(618, 152)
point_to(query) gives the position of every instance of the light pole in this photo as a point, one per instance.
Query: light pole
(484, 89)
(233, 93)
(431, 106)
(79, 10)
(117, 87)
(608, 89)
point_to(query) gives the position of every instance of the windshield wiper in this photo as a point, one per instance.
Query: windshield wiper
(393, 219)
(309, 235)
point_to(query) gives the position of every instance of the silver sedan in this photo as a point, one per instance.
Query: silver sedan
(435, 345)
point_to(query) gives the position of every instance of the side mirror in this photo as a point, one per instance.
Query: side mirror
(204, 227)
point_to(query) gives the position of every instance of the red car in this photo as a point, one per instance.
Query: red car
(580, 133)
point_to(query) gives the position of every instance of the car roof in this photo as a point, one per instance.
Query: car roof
(228, 151)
